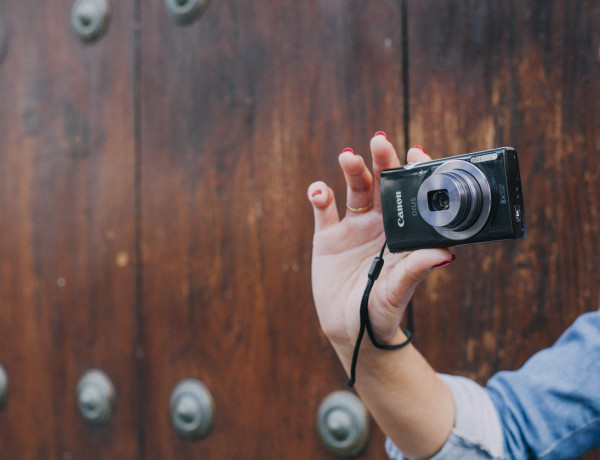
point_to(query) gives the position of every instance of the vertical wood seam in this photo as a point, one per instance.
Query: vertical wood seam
(139, 279)
(406, 115)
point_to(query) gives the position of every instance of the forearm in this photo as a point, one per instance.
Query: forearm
(410, 403)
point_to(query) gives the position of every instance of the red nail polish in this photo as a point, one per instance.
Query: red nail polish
(380, 133)
(446, 262)
(420, 148)
(348, 149)
(317, 192)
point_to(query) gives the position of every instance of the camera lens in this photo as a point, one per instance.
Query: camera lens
(455, 199)
(438, 200)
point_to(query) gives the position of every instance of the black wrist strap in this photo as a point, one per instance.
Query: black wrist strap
(374, 272)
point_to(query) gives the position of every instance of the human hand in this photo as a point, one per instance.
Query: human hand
(343, 251)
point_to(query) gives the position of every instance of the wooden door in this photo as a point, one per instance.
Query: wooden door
(525, 74)
(239, 113)
(67, 230)
(154, 222)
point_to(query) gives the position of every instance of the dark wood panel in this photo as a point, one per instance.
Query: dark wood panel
(526, 74)
(240, 112)
(67, 233)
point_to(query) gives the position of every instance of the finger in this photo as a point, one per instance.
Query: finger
(359, 182)
(417, 154)
(411, 270)
(384, 157)
(324, 207)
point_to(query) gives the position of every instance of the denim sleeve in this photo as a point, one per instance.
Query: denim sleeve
(477, 434)
(550, 408)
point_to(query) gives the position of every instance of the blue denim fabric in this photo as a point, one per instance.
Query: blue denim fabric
(550, 408)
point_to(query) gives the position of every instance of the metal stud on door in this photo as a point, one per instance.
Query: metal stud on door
(186, 11)
(95, 397)
(343, 424)
(3, 386)
(89, 18)
(192, 409)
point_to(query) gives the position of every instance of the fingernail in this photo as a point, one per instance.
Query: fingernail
(348, 149)
(317, 192)
(420, 148)
(380, 133)
(446, 262)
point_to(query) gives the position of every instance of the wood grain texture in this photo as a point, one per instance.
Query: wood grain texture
(193, 146)
(240, 112)
(67, 249)
(526, 74)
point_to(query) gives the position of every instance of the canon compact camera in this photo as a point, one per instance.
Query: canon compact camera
(464, 199)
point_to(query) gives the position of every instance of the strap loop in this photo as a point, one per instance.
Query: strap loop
(374, 272)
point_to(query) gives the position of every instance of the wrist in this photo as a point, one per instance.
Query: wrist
(396, 337)
(371, 357)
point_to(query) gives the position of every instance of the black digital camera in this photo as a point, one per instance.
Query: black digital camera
(465, 199)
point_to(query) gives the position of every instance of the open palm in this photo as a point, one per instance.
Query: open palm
(343, 251)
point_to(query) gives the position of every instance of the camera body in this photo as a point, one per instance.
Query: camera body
(465, 199)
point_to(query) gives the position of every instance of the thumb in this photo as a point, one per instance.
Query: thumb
(413, 268)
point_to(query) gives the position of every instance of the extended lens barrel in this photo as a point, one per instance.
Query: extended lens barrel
(455, 199)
